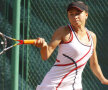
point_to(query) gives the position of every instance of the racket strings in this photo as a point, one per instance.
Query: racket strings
(3, 43)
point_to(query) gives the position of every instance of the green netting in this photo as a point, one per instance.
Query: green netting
(40, 18)
(45, 17)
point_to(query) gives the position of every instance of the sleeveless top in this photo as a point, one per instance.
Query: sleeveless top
(66, 74)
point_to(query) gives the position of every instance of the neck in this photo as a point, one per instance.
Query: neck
(79, 30)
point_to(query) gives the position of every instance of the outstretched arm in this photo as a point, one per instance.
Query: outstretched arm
(95, 67)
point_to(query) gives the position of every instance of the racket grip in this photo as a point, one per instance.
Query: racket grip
(31, 41)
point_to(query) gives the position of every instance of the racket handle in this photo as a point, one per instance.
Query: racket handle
(31, 41)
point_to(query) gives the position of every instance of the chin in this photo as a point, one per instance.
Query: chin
(77, 25)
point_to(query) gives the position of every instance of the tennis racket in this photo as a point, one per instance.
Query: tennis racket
(4, 43)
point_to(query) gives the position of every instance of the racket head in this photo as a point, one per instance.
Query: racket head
(3, 43)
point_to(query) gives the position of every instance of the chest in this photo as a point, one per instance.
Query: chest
(76, 48)
(82, 39)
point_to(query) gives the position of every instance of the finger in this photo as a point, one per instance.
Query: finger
(38, 40)
(43, 40)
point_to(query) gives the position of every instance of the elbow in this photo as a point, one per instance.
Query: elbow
(94, 66)
(44, 58)
(45, 55)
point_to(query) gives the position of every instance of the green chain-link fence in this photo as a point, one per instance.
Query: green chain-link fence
(40, 18)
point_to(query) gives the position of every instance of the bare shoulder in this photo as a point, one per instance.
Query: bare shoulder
(92, 34)
(60, 31)
(58, 34)
(94, 38)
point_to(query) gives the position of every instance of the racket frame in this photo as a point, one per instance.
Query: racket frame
(5, 37)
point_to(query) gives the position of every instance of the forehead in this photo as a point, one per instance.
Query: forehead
(74, 10)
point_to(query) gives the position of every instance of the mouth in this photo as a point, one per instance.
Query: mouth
(76, 21)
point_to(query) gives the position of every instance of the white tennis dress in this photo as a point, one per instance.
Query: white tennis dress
(66, 74)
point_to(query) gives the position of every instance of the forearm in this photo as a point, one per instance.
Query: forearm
(98, 72)
(44, 52)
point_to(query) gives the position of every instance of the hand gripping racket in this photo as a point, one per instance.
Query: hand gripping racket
(3, 42)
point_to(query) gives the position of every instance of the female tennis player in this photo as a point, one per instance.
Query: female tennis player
(76, 45)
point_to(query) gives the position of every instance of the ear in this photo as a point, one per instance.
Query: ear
(86, 15)
(68, 14)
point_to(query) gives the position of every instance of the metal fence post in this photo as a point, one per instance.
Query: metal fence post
(15, 51)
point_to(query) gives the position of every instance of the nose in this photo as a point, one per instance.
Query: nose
(76, 16)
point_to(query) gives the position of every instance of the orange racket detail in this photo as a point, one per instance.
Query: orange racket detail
(30, 41)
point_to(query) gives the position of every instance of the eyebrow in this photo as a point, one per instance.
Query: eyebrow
(76, 10)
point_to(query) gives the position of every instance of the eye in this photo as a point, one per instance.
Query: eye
(78, 13)
(71, 14)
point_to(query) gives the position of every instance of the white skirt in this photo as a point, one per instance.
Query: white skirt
(60, 78)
